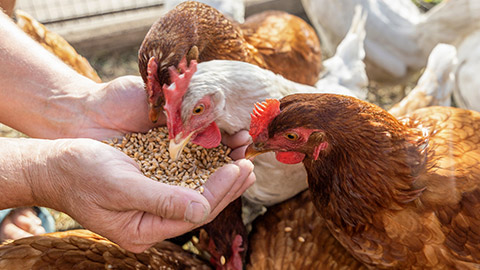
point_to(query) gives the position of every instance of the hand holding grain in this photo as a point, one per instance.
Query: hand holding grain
(103, 189)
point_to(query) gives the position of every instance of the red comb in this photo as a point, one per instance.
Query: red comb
(174, 94)
(153, 88)
(262, 115)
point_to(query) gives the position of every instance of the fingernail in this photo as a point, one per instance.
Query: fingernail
(39, 230)
(196, 212)
(37, 221)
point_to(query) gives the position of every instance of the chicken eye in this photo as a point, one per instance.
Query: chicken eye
(291, 136)
(199, 109)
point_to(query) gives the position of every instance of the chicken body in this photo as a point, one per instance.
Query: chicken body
(436, 85)
(82, 249)
(291, 235)
(277, 41)
(234, 9)
(399, 37)
(396, 194)
(56, 45)
(466, 94)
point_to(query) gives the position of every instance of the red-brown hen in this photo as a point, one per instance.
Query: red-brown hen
(400, 194)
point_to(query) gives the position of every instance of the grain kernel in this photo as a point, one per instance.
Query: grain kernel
(150, 151)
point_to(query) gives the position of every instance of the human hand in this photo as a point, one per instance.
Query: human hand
(115, 108)
(104, 190)
(238, 142)
(20, 223)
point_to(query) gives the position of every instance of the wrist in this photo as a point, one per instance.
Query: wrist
(19, 161)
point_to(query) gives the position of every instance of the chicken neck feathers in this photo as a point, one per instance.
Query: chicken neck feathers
(396, 194)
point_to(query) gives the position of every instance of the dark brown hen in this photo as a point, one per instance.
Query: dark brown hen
(280, 42)
(291, 235)
(399, 194)
(82, 249)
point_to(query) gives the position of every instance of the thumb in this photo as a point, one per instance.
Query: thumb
(170, 202)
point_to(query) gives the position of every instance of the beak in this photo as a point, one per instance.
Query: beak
(175, 149)
(254, 150)
(153, 114)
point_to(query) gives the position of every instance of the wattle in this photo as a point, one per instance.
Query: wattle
(290, 157)
(209, 137)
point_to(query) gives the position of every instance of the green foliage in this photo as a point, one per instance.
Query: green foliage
(426, 5)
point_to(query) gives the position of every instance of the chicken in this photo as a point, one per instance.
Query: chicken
(82, 249)
(399, 194)
(234, 9)
(55, 44)
(275, 40)
(399, 37)
(291, 235)
(436, 85)
(225, 238)
(466, 93)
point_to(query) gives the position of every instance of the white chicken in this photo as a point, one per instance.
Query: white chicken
(221, 95)
(399, 37)
(435, 86)
(234, 9)
(466, 93)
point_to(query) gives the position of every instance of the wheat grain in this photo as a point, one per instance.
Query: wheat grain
(150, 151)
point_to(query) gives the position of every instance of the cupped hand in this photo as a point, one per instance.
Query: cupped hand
(115, 108)
(238, 142)
(19, 223)
(104, 190)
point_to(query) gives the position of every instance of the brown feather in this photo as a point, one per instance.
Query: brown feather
(82, 249)
(397, 194)
(291, 235)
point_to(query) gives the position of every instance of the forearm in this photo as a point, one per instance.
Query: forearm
(36, 87)
(17, 157)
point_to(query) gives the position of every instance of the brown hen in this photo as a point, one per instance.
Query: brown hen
(275, 40)
(55, 44)
(400, 194)
(82, 249)
(291, 235)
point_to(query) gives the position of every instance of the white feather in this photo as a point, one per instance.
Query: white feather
(436, 85)
(467, 90)
(399, 38)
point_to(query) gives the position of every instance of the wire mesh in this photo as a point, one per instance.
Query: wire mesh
(54, 11)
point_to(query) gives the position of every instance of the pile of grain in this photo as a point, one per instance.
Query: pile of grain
(150, 151)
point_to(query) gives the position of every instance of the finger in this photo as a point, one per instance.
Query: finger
(232, 184)
(226, 183)
(29, 212)
(238, 153)
(246, 184)
(168, 201)
(11, 231)
(238, 139)
(27, 220)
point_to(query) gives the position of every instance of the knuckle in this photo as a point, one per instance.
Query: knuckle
(166, 206)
